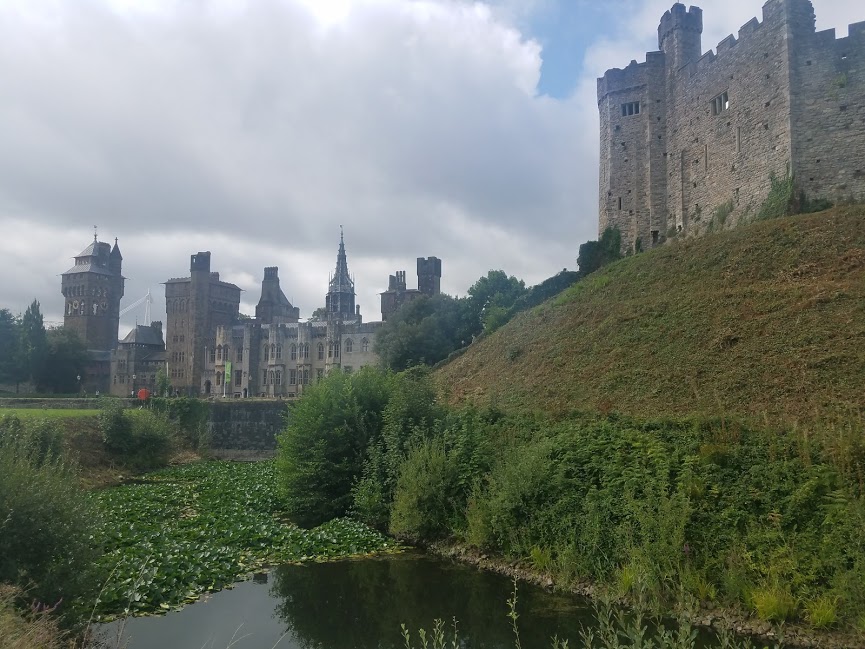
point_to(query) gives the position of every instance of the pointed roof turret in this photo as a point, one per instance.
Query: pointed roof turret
(341, 281)
(115, 251)
(340, 295)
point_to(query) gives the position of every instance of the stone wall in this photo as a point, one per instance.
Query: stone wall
(245, 430)
(712, 129)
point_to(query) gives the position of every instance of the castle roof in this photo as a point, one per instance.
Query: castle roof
(341, 281)
(144, 335)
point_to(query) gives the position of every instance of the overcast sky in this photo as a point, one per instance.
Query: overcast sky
(255, 128)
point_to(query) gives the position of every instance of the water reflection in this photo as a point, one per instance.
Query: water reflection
(359, 604)
(362, 604)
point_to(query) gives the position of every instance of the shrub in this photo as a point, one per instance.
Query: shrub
(322, 450)
(139, 439)
(46, 521)
(424, 502)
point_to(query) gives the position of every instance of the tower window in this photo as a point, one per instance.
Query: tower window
(631, 108)
(620, 202)
(720, 103)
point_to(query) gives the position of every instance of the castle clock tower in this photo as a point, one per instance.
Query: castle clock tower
(93, 288)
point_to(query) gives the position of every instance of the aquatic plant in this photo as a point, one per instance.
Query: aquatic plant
(188, 530)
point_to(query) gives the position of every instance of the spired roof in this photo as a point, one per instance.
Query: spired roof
(341, 281)
(95, 258)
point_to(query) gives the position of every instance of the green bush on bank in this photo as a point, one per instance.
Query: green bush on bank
(139, 439)
(46, 521)
(773, 521)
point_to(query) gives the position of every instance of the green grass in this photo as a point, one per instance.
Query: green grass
(49, 413)
(765, 321)
(198, 528)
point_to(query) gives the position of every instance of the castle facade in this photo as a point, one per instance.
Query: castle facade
(689, 141)
(212, 350)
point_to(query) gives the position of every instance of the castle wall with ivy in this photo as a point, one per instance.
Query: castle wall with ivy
(690, 141)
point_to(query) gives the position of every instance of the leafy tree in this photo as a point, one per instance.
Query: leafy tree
(163, 384)
(64, 360)
(323, 449)
(490, 298)
(595, 254)
(32, 343)
(9, 340)
(424, 331)
(319, 314)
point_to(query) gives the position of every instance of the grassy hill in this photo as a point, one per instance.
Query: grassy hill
(762, 321)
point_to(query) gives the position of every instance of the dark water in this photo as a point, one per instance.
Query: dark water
(360, 604)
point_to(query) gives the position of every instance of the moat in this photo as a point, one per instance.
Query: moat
(359, 604)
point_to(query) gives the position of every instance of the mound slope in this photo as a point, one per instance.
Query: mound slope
(762, 321)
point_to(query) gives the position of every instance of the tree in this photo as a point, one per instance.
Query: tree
(491, 297)
(32, 343)
(424, 331)
(163, 384)
(64, 360)
(596, 254)
(319, 314)
(9, 343)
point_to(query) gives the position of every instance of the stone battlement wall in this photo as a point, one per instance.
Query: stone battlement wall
(712, 128)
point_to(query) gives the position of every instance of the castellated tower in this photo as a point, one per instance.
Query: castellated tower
(632, 107)
(92, 289)
(689, 141)
(679, 36)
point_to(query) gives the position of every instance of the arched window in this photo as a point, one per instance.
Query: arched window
(329, 350)
(278, 352)
(306, 376)
(219, 352)
(320, 352)
(348, 345)
(336, 349)
(273, 351)
(264, 355)
(271, 377)
(364, 345)
(293, 352)
(225, 351)
(306, 351)
(278, 377)
(219, 378)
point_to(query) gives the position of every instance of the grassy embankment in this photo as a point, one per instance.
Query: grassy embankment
(691, 418)
(764, 322)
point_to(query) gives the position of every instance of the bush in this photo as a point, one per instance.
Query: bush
(322, 450)
(139, 439)
(822, 612)
(46, 520)
(32, 630)
(425, 503)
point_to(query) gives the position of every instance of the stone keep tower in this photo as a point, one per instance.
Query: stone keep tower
(93, 288)
(429, 275)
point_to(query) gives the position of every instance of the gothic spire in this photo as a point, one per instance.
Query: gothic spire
(340, 294)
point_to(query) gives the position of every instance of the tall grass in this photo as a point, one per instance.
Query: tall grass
(47, 523)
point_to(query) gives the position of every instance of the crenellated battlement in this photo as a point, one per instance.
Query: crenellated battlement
(634, 75)
(679, 18)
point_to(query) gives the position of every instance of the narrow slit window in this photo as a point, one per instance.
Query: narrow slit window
(631, 108)
(738, 139)
(620, 202)
(720, 104)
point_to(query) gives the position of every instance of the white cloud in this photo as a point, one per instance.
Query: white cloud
(254, 129)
